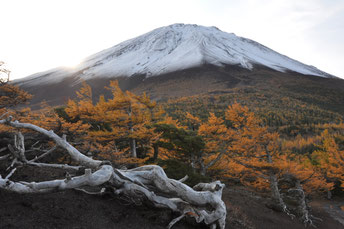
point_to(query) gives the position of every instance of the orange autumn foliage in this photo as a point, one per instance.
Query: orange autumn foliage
(251, 152)
(330, 159)
(10, 95)
(119, 124)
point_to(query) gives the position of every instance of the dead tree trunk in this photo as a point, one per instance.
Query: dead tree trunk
(156, 151)
(132, 143)
(203, 202)
(275, 193)
(297, 196)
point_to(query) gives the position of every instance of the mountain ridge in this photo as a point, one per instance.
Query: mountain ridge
(173, 48)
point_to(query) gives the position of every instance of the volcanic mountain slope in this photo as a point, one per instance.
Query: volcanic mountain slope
(176, 47)
(165, 60)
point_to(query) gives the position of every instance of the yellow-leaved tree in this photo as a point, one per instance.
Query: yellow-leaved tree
(329, 160)
(120, 125)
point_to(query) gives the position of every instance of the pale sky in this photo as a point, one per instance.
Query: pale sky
(38, 35)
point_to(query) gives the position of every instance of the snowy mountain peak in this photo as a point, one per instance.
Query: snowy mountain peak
(176, 47)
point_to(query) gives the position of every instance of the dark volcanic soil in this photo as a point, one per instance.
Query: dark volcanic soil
(74, 209)
(247, 208)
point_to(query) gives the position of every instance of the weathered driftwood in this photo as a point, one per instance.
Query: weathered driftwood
(203, 201)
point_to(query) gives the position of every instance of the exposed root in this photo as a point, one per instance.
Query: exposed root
(101, 192)
(5, 157)
(174, 221)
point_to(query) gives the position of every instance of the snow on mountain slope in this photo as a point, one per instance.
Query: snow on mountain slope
(172, 48)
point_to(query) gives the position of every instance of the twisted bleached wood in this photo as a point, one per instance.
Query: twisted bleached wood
(56, 166)
(74, 153)
(208, 194)
(4, 157)
(150, 182)
(97, 178)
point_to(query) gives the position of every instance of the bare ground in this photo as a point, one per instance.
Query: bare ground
(74, 209)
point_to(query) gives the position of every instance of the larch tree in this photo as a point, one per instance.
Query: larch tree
(329, 160)
(258, 153)
(10, 95)
(218, 137)
(254, 148)
(123, 118)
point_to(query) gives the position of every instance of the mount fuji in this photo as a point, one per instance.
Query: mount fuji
(168, 51)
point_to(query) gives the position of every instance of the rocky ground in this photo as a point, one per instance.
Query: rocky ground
(246, 209)
(75, 209)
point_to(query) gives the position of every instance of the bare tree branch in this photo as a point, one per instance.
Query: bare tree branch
(11, 173)
(74, 153)
(99, 177)
(5, 157)
(44, 154)
(58, 166)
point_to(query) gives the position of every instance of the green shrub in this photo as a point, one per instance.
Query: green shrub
(176, 170)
